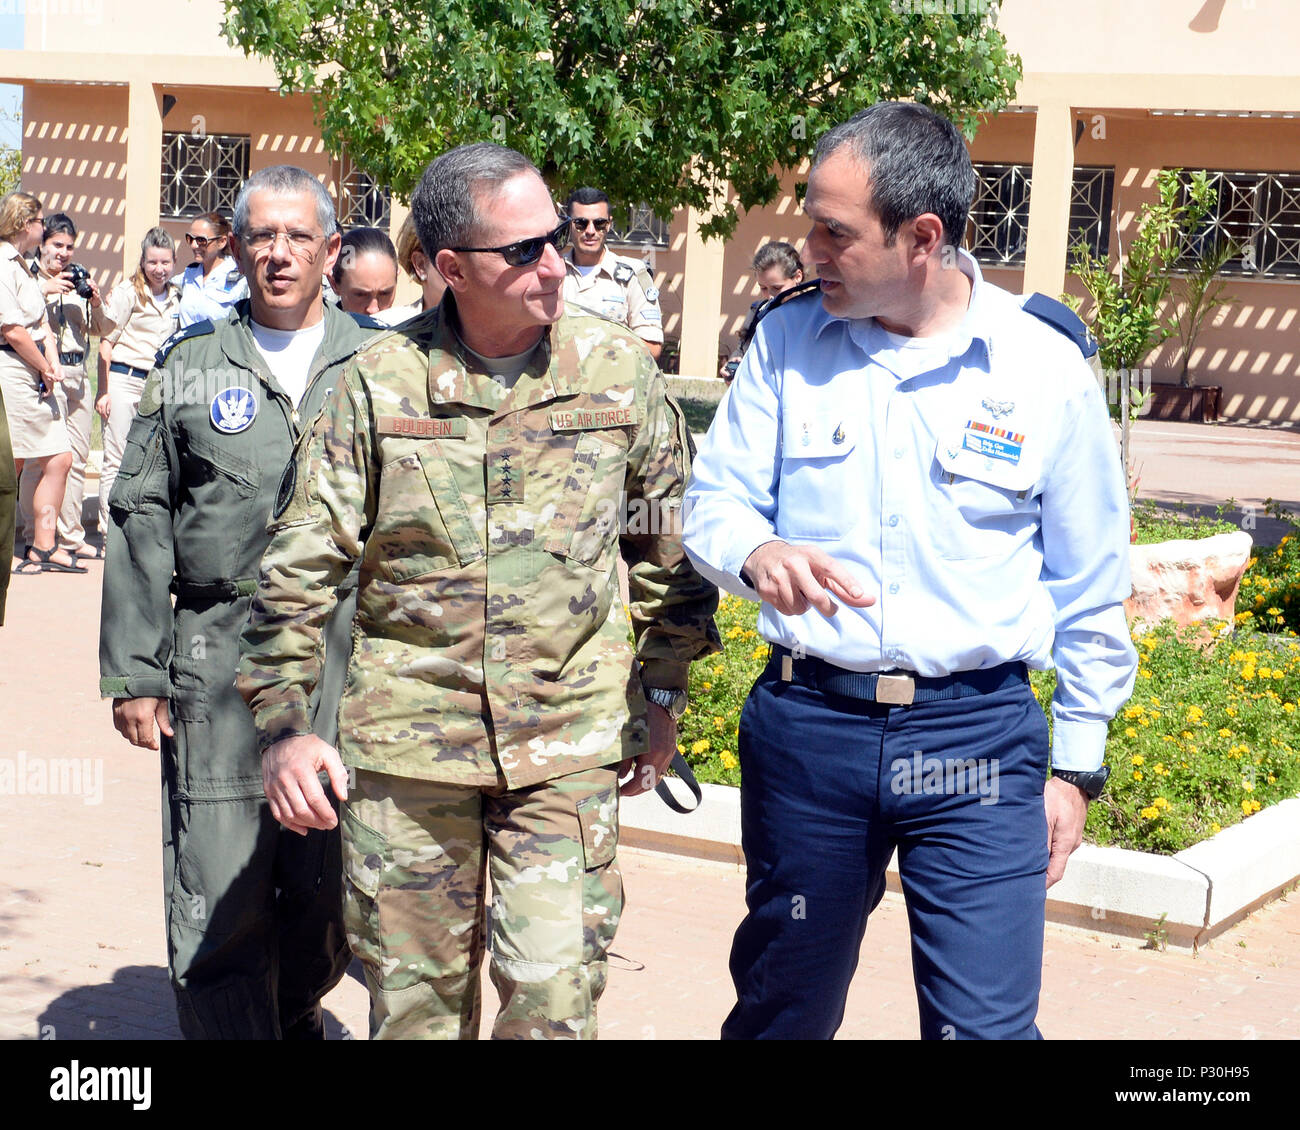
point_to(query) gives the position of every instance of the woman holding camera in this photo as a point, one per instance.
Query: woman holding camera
(212, 284)
(144, 311)
(74, 310)
(30, 380)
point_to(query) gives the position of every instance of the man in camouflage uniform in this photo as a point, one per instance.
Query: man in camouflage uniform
(608, 284)
(475, 463)
(254, 913)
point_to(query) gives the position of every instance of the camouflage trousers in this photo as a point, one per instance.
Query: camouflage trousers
(416, 855)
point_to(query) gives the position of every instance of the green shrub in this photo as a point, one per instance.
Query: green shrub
(1208, 738)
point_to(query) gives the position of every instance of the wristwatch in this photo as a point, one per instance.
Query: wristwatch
(1091, 782)
(675, 702)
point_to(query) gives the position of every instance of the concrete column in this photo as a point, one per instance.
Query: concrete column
(144, 156)
(701, 300)
(1049, 201)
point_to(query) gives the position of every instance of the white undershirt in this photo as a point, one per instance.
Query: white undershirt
(909, 356)
(289, 354)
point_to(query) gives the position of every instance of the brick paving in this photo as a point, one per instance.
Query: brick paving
(82, 951)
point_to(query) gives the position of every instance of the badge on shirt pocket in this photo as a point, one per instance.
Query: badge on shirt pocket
(821, 496)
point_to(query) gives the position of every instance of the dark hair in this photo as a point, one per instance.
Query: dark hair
(216, 221)
(585, 196)
(362, 241)
(58, 224)
(447, 201)
(777, 254)
(915, 160)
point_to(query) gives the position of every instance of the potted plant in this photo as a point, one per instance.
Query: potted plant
(1132, 312)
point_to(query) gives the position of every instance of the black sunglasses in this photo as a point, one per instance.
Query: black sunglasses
(525, 252)
(581, 223)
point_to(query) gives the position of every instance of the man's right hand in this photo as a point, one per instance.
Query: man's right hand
(134, 719)
(289, 771)
(793, 578)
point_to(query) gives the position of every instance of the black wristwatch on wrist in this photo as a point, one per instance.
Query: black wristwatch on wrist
(675, 702)
(1091, 782)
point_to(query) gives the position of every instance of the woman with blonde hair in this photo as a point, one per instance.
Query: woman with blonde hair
(144, 310)
(212, 284)
(31, 385)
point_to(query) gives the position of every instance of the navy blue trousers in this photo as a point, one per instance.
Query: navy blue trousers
(831, 786)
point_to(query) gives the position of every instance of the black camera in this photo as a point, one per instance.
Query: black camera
(80, 279)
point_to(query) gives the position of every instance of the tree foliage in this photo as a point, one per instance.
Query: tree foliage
(662, 101)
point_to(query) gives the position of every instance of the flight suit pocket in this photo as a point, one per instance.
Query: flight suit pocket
(138, 456)
(422, 525)
(586, 524)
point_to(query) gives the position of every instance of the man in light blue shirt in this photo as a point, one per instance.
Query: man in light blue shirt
(918, 480)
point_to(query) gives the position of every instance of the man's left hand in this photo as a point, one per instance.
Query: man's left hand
(1067, 809)
(648, 769)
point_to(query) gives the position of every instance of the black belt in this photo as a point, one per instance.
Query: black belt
(118, 367)
(213, 590)
(895, 688)
(71, 358)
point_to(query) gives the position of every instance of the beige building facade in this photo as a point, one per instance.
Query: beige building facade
(1113, 91)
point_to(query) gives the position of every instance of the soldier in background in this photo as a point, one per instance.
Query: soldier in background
(475, 463)
(609, 284)
(254, 925)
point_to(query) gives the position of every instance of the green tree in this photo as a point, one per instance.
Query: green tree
(11, 160)
(665, 101)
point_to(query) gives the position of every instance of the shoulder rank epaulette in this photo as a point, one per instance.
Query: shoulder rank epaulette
(1062, 319)
(198, 329)
(798, 291)
(366, 322)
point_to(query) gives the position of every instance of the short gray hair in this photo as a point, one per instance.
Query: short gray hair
(285, 180)
(454, 186)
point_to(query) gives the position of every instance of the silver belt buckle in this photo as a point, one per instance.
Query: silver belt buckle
(897, 690)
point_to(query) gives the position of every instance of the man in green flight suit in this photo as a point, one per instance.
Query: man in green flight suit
(255, 936)
(484, 464)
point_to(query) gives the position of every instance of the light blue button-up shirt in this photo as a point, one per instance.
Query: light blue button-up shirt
(981, 501)
(212, 298)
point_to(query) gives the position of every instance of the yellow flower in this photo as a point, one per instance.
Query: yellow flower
(1160, 802)
(1275, 612)
(735, 632)
(1136, 775)
(681, 749)
(1151, 813)
(1289, 707)
(1186, 735)
(718, 722)
(729, 760)
(1215, 828)
(1278, 673)
(1144, 673)
(1248, 673)
(700, 746)
(758, 652)
(1129, 732)
(1265, 673)
(1135, 712)
(1231, 711)
(1248, 806)
(1138, 759)
(1195, 713)
(1225, 732)
(1249, 786)
(708, 686)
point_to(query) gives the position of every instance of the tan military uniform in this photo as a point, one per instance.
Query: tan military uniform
(36, 422)
(71, 320)
(492, 687)
(619, 289)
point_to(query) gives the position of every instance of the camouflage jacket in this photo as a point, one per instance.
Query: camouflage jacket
(490, 644)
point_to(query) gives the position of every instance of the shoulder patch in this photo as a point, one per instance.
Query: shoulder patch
(1062, 319)
(623, 273)
(198, 329)
(151, 397)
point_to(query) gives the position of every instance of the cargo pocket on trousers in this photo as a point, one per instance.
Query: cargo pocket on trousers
(602, 883)
(364, 851)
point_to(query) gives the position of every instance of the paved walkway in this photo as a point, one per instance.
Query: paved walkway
(82, 952)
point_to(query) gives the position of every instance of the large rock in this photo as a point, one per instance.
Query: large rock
(1187, 580)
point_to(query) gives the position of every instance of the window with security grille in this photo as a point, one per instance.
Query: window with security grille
(362, 202)
(1258, 213)
(643, 229)
(202, 173)
(997, 232)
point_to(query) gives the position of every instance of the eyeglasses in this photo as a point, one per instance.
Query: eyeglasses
(525, 252)
(263, 239)
(201, 241)
(581, 222)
